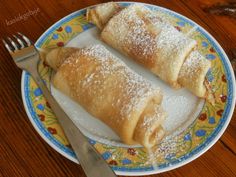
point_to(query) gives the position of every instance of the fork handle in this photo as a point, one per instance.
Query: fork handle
(91, 161)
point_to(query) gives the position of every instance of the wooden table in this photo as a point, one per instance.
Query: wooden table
(24, 153)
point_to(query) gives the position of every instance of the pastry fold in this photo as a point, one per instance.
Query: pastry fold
(141, 34)
(193, 73)
(110, 91)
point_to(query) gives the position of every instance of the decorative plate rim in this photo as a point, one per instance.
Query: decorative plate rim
(193, 155)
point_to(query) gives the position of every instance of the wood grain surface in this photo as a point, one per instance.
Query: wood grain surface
(24, 153)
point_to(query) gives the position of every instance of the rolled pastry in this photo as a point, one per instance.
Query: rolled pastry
(110, 91)
(142, 35)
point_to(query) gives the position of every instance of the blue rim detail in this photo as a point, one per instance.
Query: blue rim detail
(136, 169)
(38, 122)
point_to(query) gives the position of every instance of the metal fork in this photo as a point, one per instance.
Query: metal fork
(27, 57)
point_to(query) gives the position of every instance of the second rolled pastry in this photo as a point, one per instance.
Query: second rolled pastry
(111, 92)
(139, 33)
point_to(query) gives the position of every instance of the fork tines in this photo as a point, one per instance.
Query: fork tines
(18, 42)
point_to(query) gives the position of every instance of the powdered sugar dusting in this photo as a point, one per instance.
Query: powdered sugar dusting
(131, 34)
(169, 147)
(191, 64)
(179, 113)
(150, 119)
(133, 88)
(173, 101)
(143, 35)
(169, 37)
(144, 30)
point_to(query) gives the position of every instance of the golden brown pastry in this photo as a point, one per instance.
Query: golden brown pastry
(193, 73)
(110, 91)
(103, 13)
(142, 35)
